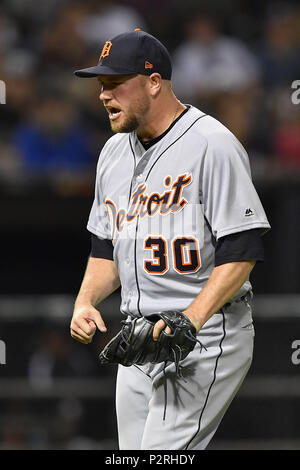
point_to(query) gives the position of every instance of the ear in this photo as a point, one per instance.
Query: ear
(154, 84)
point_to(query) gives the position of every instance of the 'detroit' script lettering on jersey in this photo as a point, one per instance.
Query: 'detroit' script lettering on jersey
(144, 205)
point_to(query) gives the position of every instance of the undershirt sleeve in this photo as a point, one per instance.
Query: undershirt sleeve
(101, 248)
(240, 246)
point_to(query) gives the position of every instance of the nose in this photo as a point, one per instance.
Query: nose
(105, 94)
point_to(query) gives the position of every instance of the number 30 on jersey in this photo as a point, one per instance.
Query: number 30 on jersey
(184, 256)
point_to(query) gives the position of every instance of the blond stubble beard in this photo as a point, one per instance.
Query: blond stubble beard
(132, 120)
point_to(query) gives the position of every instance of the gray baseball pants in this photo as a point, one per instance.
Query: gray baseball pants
(156, 409)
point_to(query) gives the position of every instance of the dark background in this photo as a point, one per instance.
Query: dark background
(53, 393)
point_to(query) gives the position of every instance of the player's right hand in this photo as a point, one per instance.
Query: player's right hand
(86, 319)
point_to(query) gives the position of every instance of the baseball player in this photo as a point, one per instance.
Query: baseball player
(177, 222)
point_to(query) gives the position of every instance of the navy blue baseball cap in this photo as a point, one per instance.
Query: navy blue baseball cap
(135, 52)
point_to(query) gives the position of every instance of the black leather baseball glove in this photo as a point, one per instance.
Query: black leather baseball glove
(134, 343)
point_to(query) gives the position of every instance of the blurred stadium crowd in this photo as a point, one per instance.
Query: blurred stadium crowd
(235, 62)
(238, 61)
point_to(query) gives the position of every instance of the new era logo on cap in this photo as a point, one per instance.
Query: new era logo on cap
(135, 52)
(148, 65)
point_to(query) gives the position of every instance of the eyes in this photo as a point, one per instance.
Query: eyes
(109, 85)
(114, 82)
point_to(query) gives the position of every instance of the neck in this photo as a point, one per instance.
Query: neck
(160, 120)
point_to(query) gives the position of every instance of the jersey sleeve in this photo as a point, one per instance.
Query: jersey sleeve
(98, 222)
(230, 201)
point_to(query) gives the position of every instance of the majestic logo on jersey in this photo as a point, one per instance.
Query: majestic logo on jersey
(248, 212)
(143, 205)
(106, 50)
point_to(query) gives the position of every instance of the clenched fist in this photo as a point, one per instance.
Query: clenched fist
(86, 319)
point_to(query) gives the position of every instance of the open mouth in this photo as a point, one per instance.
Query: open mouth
(113, 113)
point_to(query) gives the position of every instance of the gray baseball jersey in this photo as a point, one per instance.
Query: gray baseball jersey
(165, 208)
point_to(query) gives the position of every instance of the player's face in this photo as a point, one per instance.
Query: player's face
(126, 101)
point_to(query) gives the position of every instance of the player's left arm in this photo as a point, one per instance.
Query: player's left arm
(225, 280)
(235, 257)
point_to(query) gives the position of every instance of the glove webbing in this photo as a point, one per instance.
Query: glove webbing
(178, 369)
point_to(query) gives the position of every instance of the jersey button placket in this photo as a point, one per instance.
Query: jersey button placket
(139, 176)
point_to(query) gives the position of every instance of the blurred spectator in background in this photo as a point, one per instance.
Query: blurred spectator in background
(286, 134)
(279, 57)
(27, 14)
(108, 19)
(9, 33)
(51, 141)
(217, 73)
(279, 51)
(207, 62)
(17, 69)
(61, 46)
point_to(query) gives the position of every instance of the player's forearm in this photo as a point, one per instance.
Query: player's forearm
(224, 282)
(100, 280)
